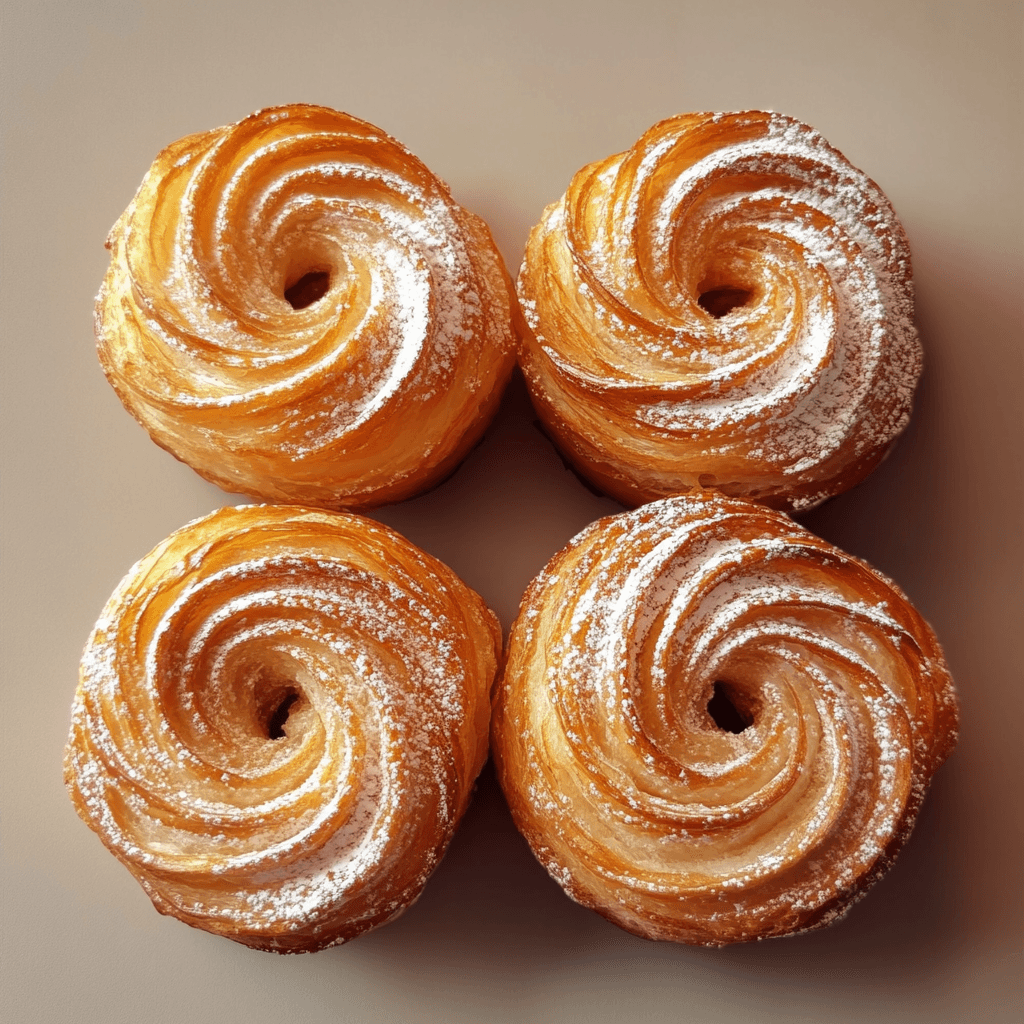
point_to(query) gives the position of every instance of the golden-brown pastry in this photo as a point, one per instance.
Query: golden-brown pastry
(714, 726)
(280, 719)
(726, 305)
(297, 308)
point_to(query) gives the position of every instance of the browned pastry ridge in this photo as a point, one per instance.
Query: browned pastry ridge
(726, 305)
(297, 308)
(714, 726)
(279, 722)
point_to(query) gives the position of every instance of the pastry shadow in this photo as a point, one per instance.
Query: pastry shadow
(902, 935)
(921, 516)
(491, 909)
(506, 509)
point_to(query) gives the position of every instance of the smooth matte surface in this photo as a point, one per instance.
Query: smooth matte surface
(506, 102)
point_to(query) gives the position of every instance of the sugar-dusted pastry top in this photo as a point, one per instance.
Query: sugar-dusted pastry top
(298, 309)
(279, 722)
(726, 305)
(714, 726)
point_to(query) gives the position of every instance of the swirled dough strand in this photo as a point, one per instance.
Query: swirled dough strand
(715, 727)
(279, 722)
(727, 305)
(298, 309)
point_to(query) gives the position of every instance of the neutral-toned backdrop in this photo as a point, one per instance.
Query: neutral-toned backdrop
(505, 102)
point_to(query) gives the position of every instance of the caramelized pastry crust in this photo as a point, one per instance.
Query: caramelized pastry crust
(298, 309)
(715, 727)
(726, 305)
(280, 719)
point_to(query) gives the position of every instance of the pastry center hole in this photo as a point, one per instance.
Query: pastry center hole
(719, 301)
(279, 716)
(724, 712)
(309, 288)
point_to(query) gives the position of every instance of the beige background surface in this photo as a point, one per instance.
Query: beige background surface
(505, 102)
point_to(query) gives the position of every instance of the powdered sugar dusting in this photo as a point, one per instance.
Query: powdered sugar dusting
(198, 337)
(657, 815)
(811, 374)
(383, 661)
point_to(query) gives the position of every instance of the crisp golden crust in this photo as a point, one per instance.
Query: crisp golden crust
(622, 767)
(727, 305)
(279, 722)
(369, 394)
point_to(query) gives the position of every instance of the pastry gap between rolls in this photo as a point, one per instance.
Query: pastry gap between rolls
(277, 700)
(277, 720)
(311, 287)
(725, 712)
(721, 301)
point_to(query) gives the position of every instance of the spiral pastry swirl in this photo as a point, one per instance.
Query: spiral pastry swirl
(727, 305)
(279, 722)
(297, 308)
(715, 727)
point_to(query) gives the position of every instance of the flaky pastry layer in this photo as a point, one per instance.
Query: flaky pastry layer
(715, 727)
(279, 722)
(727, 305)
(298, 309)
